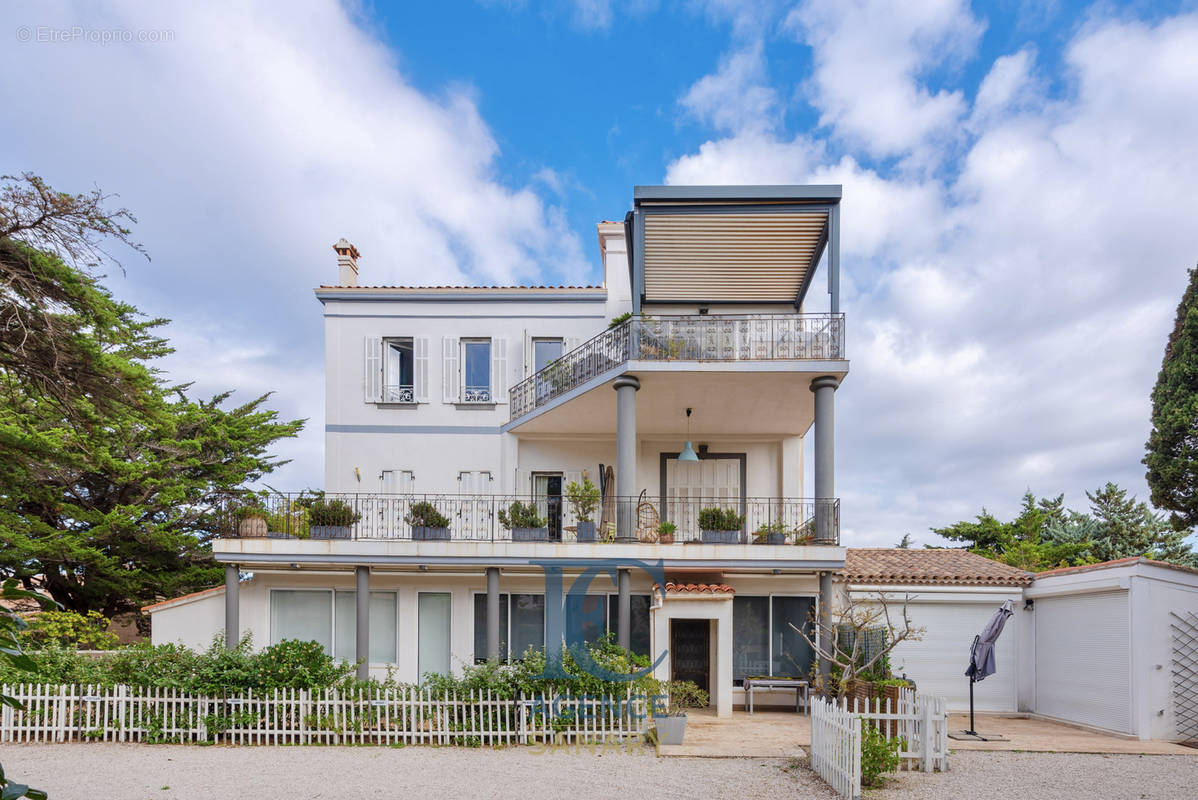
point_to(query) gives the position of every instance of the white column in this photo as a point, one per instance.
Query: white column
(493, 614)
(232, 605)
(626, 387)
(362, 623)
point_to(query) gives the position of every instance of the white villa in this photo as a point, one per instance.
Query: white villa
(691, 387)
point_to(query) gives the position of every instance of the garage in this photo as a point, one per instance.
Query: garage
(952, 595)
(1083, 659)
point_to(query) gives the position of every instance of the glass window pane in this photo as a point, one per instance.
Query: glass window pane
(586, 618)
(382, 627)
(638, 606)
(399, 362)
(792, 654)
(528, 623)
(544, 351)
(477, 370)
(480, 627)
(303, 615)
(433, 643)
(750, 637)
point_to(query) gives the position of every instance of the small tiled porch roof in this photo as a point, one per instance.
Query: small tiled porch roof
(954, 567)
(698, 588)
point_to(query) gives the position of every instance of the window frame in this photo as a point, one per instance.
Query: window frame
(332, 593)
(738, 683)
(464, 394)
(400, 397)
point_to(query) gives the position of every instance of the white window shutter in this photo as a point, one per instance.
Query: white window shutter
(523, 486)
(499, 374)
(570, 343)
(372, 369)
(527, 355)
(451, 385)
(420, 359)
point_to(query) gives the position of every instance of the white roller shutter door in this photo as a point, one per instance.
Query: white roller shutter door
(1083, 659)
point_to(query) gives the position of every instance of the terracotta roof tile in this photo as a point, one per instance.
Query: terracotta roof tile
(892, 565)
(698, 588)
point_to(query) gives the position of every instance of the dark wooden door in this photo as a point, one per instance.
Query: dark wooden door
(690, 651)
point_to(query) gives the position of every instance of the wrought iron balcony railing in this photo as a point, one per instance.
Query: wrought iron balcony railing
(486, 518)
(780, 337)
(399, 394)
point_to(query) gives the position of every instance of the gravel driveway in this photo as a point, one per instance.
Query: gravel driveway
(138, 772)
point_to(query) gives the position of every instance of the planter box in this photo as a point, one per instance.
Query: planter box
(330, 532)
(720, 537)
(423, 534)
(279, 535)
(772, 538)
(670, 730)
(586, 532)
(530, 534)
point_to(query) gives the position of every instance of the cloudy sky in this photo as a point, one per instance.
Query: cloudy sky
(1019, 179)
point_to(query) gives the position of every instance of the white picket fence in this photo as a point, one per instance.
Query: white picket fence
(393, 716)
(919, 720)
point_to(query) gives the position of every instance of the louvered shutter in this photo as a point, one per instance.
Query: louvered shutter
(523, 488)
(570, 343)
(420, 371)
(527, 355)
(499, 376)
(451, 385)
(372, 369)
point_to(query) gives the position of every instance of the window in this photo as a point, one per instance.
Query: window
(302, 614)
(586, 618)
(323, 616)
(476, 371)
(432, 656)
(544, 351)
(639, 635)
(382, 627)
(521, 622)
(763, 642)
(399, 371)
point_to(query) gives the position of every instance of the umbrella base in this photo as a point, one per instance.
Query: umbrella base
(974, 736)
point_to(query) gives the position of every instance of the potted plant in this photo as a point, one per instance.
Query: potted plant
(331, 519)
(770, 533)
(288, 521)
(251, 519)
(665, 532)
(671, 721)
(428, 524)
(584, 499)
(523, 522)
(720, 525)
(805, 533)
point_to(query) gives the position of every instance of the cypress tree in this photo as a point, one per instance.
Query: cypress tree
(1172, 457)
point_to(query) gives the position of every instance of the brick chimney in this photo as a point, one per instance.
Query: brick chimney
(347, 263)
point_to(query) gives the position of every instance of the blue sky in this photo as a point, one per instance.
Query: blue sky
(1018, 191)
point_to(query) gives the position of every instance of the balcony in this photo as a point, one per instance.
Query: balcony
(480, 518)
(747, 338)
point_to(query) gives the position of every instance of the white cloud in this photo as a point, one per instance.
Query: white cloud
(255, 137)
(737, 96)
(869, 57)
(1005, 322)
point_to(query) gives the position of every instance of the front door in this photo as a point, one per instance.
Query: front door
(548, 490)
(690, 651)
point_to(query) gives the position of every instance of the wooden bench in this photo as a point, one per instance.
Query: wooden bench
(800, 686)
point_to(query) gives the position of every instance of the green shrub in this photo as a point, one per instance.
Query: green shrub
(879, 755)
(683, 695)
(331, 513)
(720, 519)
(425, 515)
(70, 629)
(617, 321)
(520, 515)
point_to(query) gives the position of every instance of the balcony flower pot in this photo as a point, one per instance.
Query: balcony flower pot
(530, 534)
(279, 535)
(252, 527)
(425, 533)
(719, 537)
(770, 538)
(330, 532)
(670, 729)
(586, 531)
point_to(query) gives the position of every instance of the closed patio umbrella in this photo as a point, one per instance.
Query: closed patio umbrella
(981, 655)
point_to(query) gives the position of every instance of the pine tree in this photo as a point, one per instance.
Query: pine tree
(1172, 457)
